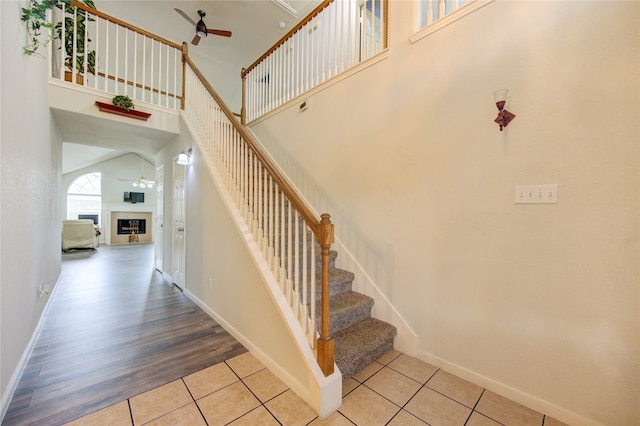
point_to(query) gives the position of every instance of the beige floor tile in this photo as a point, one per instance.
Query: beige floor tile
(478, 419)
(259, 416)
(437, 409)
(389, 356)
(550, 421)
(265, 385)
(368, 371)
(507, 412)
(365, 407)
(394, 386)
(349, 385)
(210, 380)
(245, 364)
(159, 401)
(116, 415)
(290, 409)
(455, 388)
(189, 415)
(404, 418)
(334, 419)
(227, 404)
(414, 368)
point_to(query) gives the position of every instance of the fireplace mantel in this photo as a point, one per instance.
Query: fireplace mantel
(115, 211)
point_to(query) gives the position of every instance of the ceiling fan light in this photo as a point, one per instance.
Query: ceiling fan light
(142, 185)
(201, 33)
(134, 184)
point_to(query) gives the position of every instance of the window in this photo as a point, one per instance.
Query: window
(432, 10)
(84, 197)
(436, 14)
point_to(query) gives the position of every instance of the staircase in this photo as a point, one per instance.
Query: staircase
(359, 339)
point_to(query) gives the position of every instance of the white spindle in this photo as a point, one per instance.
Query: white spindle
(144, 67)
(312, 302)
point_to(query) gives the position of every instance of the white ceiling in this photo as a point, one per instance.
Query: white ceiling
(256, 25)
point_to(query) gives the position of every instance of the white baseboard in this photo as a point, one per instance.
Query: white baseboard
(282, 374)
(506, 391)
(7, 396)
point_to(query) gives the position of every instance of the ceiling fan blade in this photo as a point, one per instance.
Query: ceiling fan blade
(195, 40)
(223, 33)
(185, 16)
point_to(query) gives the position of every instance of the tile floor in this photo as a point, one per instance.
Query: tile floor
(394, 390)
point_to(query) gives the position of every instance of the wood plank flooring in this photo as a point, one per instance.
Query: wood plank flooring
(115, 329)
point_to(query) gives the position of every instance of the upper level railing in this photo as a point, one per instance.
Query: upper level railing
(99, 51)
(336, 36)
(103, 53)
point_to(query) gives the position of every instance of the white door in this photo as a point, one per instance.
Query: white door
(178, 225)
(159, 232)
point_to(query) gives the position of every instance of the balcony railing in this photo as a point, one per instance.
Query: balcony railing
(98, 51)
(335, 37)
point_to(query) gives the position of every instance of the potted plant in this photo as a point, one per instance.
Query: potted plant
(123, 102)
(78, 21)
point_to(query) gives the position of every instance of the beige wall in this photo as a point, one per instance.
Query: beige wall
(539, 302)
(30, 222)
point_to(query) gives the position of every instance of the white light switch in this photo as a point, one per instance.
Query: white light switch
(537, 194)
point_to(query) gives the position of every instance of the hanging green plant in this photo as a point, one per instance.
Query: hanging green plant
(123, 102)
(35, 16)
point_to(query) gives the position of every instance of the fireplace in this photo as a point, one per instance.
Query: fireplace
(122, 223)
(127, 226)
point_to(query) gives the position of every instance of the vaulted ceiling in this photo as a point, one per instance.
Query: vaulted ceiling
(255, 25)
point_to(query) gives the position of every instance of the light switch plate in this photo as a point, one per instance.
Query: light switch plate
(536, 194)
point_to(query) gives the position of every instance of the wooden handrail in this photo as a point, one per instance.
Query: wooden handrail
(110, 18)
(305, 212)
(287, 36)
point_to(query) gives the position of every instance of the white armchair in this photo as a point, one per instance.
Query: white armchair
(78, 234)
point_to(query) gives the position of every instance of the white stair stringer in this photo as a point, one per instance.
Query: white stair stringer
(324, 394)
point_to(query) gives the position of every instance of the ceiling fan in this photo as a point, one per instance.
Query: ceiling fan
(141, 182)
(201, 28)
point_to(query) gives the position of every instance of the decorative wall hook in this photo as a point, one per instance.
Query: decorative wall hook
(504, 117)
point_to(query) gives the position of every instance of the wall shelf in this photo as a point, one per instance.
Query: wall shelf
(139, 115)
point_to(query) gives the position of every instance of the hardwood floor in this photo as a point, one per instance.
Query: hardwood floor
(115, 329)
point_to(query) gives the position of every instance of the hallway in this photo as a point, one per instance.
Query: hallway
(114, 329)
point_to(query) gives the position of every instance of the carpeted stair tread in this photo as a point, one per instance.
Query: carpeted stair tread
(361, 344)
(339, 282)
(347, 309)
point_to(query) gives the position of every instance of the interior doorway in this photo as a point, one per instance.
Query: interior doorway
(178, 228)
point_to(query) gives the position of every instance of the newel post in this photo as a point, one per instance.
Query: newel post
(185, 53)
(325, 341)
(243, 109)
